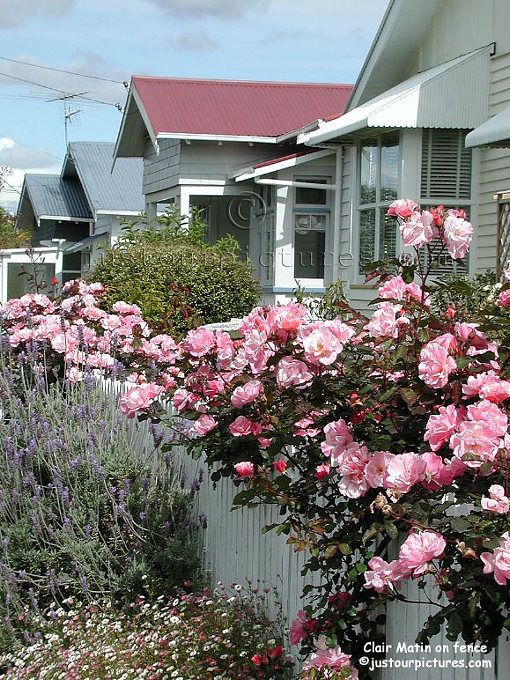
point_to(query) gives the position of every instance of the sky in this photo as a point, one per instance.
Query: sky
(55, 43)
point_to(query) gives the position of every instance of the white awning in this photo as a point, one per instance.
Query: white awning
(440, 97)
(494, 132)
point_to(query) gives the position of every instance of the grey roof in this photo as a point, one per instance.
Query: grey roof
(51, 195)
(106, 190)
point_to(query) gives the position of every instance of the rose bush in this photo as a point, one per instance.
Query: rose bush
(368, 434)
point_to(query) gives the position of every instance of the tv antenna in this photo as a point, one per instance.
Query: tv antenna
(68, 111)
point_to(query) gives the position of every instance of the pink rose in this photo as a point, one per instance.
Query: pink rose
(487, 412)
(322, 471)
(435, 365)
(376, 469)
(139, 398)
(245, 469)
(436, 474)
(182, 399)
(293, 373)
(204, 425)
(280, 465)
(242, 427)
(198, 342)
(419, 548)
(474, 443)
(383, 576)
(301, 627)
(504, 298)
(441, 426)
(338, 437)
(418, 229)
(403, 207)
(497, 501)
(321, 346)
(245, 394)
(123, 308)
(404, 471)
(386, 321)
(351, 466)
(498, 562)
(332, 658)
(457, 235)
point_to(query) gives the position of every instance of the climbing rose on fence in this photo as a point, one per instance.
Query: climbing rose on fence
(385, 425)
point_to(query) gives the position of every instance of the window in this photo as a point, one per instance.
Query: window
(311, 220)
(264, 222)
(378, 187)
(446, 179)
(71, 266)
(20, 278)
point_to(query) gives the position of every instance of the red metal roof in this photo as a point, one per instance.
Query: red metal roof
(237, 108)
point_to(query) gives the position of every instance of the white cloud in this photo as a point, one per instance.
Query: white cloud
(21, 160)
(224, 9)
(193, 41)
(23, 157)
(9, 196)
(16, 13)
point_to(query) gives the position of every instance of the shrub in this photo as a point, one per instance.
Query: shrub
(177, 281)
(203, 636)
(468, 297)
(83, 509)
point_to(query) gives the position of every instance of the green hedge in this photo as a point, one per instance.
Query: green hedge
(178, 284)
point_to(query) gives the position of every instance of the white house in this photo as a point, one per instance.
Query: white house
(229, 148)
(437, 70)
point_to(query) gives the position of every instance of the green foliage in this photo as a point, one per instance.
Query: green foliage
(468, 297)
(83, 508)
(178, 280)
(10, 237)
(330, 306)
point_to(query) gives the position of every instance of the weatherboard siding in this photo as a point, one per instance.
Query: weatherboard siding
(161, 171)
(213, 161)
(458, 27)
(494, 169)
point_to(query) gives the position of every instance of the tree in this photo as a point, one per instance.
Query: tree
(10, 237)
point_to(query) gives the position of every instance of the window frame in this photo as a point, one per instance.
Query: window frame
(379, 205)
(311, 209)
(426, 202)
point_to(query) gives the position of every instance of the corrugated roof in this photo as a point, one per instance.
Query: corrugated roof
(55, 196)
(419, 101)
(494, 132)
(120, 190)
(236, 108)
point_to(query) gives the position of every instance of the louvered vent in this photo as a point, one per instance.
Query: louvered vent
(445, 165)
(445, 178)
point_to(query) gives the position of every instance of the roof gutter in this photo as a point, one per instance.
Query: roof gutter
(298, 185)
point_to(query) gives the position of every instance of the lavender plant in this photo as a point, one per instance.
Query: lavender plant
(84, 508)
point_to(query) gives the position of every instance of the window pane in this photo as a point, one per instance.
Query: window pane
(20, 278)
(309, 255)
(302, 223)
(367, 238)
(311, 196)
(368, 171)
(387, 235)
(389, 167)
(71, 261)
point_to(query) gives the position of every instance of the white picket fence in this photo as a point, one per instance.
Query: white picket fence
(235, 551)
